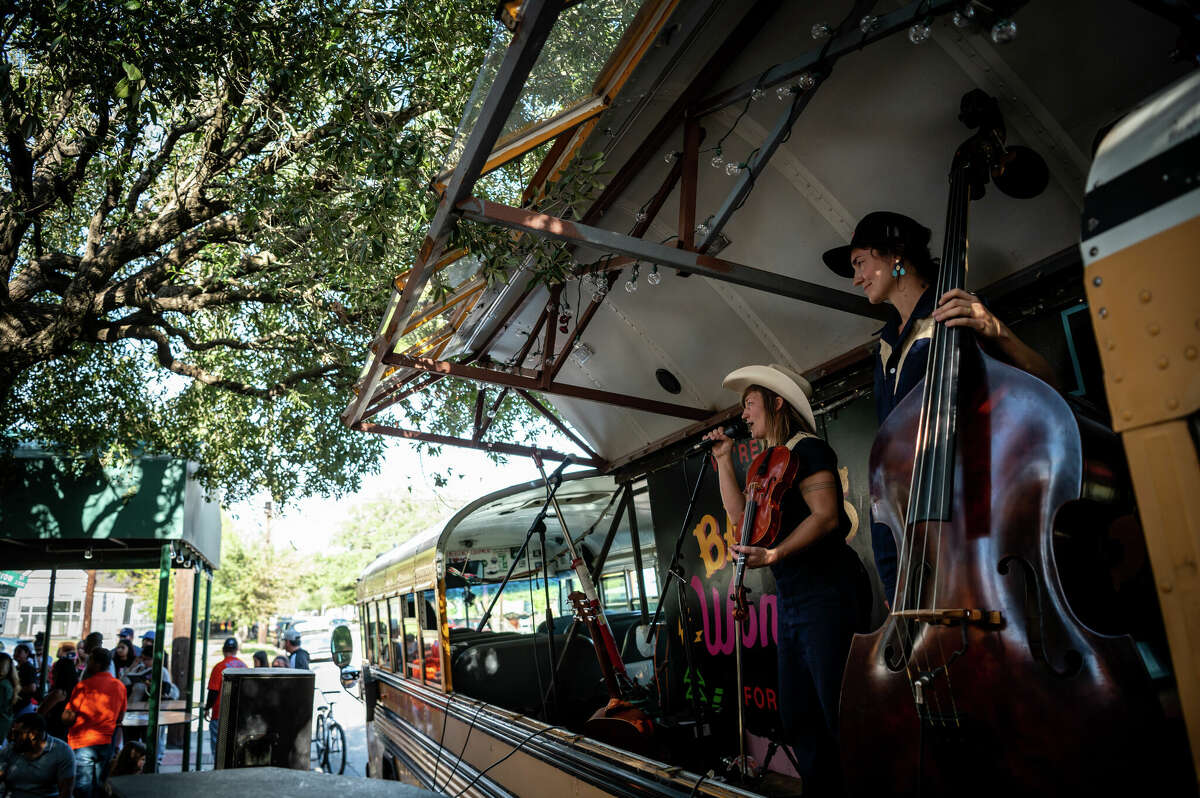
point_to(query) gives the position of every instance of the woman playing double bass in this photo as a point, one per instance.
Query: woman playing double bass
(823, 593)
(888, 258)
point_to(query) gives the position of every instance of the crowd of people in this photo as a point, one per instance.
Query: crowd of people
(69, 740)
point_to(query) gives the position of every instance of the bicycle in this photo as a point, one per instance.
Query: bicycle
(329, 738)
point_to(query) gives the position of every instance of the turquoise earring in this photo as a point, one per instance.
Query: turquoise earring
(898, 270)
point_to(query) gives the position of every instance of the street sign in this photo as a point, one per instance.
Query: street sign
(13, 578)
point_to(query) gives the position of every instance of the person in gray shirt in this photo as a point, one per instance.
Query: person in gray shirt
(35, 765)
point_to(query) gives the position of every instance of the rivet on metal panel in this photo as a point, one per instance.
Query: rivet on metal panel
(1096, 281)
(1103, 313)
(1162, 363)
(1118, 379)
(1144, 296)
(1172, 403)
(1127, 415)
(1110, 344)
(1094, 251)
(1166, 587)
(1153, 328)
(1189, 352)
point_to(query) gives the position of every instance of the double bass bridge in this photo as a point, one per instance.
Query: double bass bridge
(953, 617)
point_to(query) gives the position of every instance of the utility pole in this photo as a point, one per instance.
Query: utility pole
(89, 598)
(269, 510)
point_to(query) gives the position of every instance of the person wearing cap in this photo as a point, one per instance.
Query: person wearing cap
(297, 656)
(126, 634)
(888, 258)
(823, 591)
(212, 703)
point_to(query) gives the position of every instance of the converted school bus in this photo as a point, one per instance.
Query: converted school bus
(737, 149)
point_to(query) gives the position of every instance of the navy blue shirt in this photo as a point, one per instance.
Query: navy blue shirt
(903, 354)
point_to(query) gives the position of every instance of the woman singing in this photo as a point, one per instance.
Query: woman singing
(823, 592)
(888, 258)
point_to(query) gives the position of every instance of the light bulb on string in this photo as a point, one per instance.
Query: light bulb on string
(963, 17)
(807, 81)
(920, 32)
(1004, 31)
(632, 285)
(732, 168)
(702, 230)
(717, 160)
(784, 93)
(821, 30)
(670, 157)
(868, 23)
(654, 278)
(756, 94)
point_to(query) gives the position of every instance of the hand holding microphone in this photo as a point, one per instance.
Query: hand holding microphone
(720, 441)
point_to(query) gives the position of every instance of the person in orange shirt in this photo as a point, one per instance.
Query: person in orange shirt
(96, 709)
(213, 701)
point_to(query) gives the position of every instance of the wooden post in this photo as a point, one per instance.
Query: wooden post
(180, 645)
(89, 598)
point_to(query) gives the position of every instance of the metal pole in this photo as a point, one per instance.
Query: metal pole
(46, 643)
(191, 669)
(637, 554)
(208, 579)
(160, 633)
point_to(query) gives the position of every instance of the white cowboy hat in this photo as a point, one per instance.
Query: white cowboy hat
(794, 389)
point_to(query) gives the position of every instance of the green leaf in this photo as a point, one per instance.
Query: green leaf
(132, 71)
(132, 5)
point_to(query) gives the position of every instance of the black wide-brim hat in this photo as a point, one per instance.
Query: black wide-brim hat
(883, 230)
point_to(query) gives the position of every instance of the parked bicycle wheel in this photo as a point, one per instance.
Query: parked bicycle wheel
(334, 759)
(320, 740)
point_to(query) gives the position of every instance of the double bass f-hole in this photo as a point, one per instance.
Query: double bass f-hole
(1035, 619)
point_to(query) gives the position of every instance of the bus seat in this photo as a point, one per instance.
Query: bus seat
(504, 671)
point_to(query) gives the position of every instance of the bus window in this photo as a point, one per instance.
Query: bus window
(650, 577)
(395, 634)
(381, 635)
(459, 602)
(430, 638)
(412, 638)
(369, 632)
(614, 594)
(363, 629)
(522, 605)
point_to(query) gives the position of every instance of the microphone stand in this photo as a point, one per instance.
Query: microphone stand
(674, 570)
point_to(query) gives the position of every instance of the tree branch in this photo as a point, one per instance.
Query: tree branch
(167, 359)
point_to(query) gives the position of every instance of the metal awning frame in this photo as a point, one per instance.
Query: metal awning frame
(810, 70)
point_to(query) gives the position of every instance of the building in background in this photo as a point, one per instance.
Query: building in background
(23, 606)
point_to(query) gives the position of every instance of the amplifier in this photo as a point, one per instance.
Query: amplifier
(265, 719)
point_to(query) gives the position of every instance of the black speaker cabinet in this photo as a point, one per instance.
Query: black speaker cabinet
(266, 718)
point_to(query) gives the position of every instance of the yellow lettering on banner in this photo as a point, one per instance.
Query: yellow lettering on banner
(713, 550)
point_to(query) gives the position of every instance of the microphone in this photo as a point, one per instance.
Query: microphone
(735, 429)
(556, 477)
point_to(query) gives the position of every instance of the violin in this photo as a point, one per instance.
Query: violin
(772, 472)
(982, 680)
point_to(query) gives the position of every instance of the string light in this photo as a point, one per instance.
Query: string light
(670, 157)
(718, 160)
(632, 286)
(654, 278)
(702, 229)
(641, 216)
(920, 32)
(784, 93)
(868, 23)
(1004, 31)
(756, 94)
(963, 17)
(821, 31)
(732, 168)
(807, 81)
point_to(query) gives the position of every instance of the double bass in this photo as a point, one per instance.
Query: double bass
(982, 679)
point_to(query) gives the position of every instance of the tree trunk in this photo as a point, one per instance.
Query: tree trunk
(89, 596)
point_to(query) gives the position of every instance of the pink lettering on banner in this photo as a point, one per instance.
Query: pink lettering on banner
(761, 627)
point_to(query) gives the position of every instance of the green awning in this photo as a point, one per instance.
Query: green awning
(65, 513)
